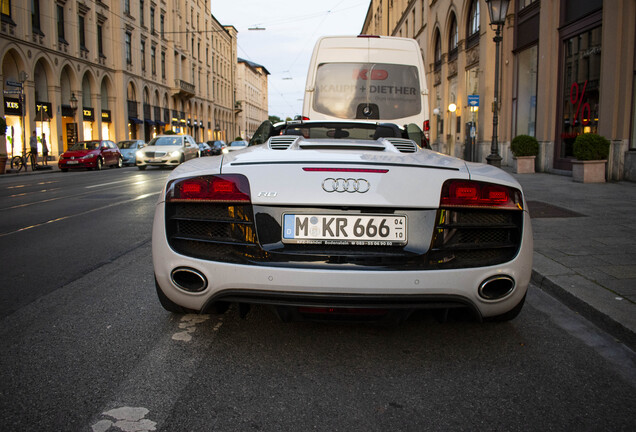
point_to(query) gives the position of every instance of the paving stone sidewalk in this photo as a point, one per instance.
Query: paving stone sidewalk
(585, 247)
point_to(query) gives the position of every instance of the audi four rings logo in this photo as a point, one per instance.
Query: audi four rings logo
(341, 185)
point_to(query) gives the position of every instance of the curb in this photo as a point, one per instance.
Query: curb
(605, 322)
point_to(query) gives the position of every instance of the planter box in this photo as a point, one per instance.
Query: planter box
(588, 171)
(524, 164)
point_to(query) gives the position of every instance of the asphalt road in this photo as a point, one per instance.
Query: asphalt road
(87, 347)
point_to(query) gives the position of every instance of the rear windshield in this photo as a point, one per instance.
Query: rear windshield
(338, 131)
(367, 91)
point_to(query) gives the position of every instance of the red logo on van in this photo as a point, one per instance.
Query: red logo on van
(376, 74)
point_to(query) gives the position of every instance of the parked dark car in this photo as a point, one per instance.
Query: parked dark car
(92, 154)
(205, 150)
(217, 146)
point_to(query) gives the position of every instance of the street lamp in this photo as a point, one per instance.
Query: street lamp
(497, 9)
(73, 102)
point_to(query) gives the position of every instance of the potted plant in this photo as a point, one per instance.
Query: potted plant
(591, 152)
(525, 149)
(3, 145)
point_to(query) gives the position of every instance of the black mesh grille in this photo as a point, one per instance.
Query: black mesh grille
(438, 239)
(470, 238)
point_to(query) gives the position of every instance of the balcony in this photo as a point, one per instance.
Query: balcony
(183, 88)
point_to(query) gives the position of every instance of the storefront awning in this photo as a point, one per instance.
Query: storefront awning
(150, 122)
(135, 120)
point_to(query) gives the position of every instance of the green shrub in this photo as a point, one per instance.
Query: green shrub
(524, 145)
(589, 146)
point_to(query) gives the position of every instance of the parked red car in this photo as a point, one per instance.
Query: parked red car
(92, 154)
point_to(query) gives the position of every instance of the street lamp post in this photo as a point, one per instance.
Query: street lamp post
(73, 103)
(497, 10)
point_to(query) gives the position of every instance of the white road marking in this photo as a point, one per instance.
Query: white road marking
(127, 419)
(140, 197)
(189, 324)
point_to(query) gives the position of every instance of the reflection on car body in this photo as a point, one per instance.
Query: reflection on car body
(372, 225)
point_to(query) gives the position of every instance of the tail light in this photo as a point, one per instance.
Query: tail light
(225, 188)
(427, 132)
(467, 193)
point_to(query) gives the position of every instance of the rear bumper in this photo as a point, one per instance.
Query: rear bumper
(280, 285)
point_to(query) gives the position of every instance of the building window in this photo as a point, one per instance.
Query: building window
(153, 60)
(100, 40)
(161, 25)
(438, 51)
(35, 17)
(5, 9)
(60, 24)
(581, 87)
(128, 43)
(82, 33)
(141, 13)
(525, 3)
(163, 65)
(526, 103)
(152, 19)
(473, 25)
(127, 7)
(143, 55)
(452, 39)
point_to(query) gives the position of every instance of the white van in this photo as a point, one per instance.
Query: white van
(368, 78)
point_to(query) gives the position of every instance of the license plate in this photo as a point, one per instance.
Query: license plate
(72, 162)
(334, 229)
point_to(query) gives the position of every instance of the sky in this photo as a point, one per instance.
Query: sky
(284, 47)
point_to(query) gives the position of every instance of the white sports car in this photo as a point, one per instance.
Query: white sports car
(338, 220)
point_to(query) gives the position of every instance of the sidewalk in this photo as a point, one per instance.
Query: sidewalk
(52, 166)
(584, 246)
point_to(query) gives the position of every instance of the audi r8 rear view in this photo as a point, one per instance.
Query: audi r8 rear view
(341, 218)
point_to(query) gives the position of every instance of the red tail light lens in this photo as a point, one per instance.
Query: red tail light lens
(427, 125)
(466, 193)
(226, 188)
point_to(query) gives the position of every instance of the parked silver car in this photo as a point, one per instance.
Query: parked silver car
(167, 151)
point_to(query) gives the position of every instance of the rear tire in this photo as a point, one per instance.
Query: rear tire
(120, 163)
(141, 167)
(16, 162)
(169, 305)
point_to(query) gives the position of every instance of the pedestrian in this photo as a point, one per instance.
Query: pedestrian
(45, 150)
(33, 143)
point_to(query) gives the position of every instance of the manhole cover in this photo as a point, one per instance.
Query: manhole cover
(539, 209)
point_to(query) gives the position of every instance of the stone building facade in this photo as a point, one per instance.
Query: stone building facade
(115, 69)
(251, 97)
(566, 67)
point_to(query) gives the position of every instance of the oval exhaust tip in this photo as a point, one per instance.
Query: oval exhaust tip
(189, 279)
(496, 287)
